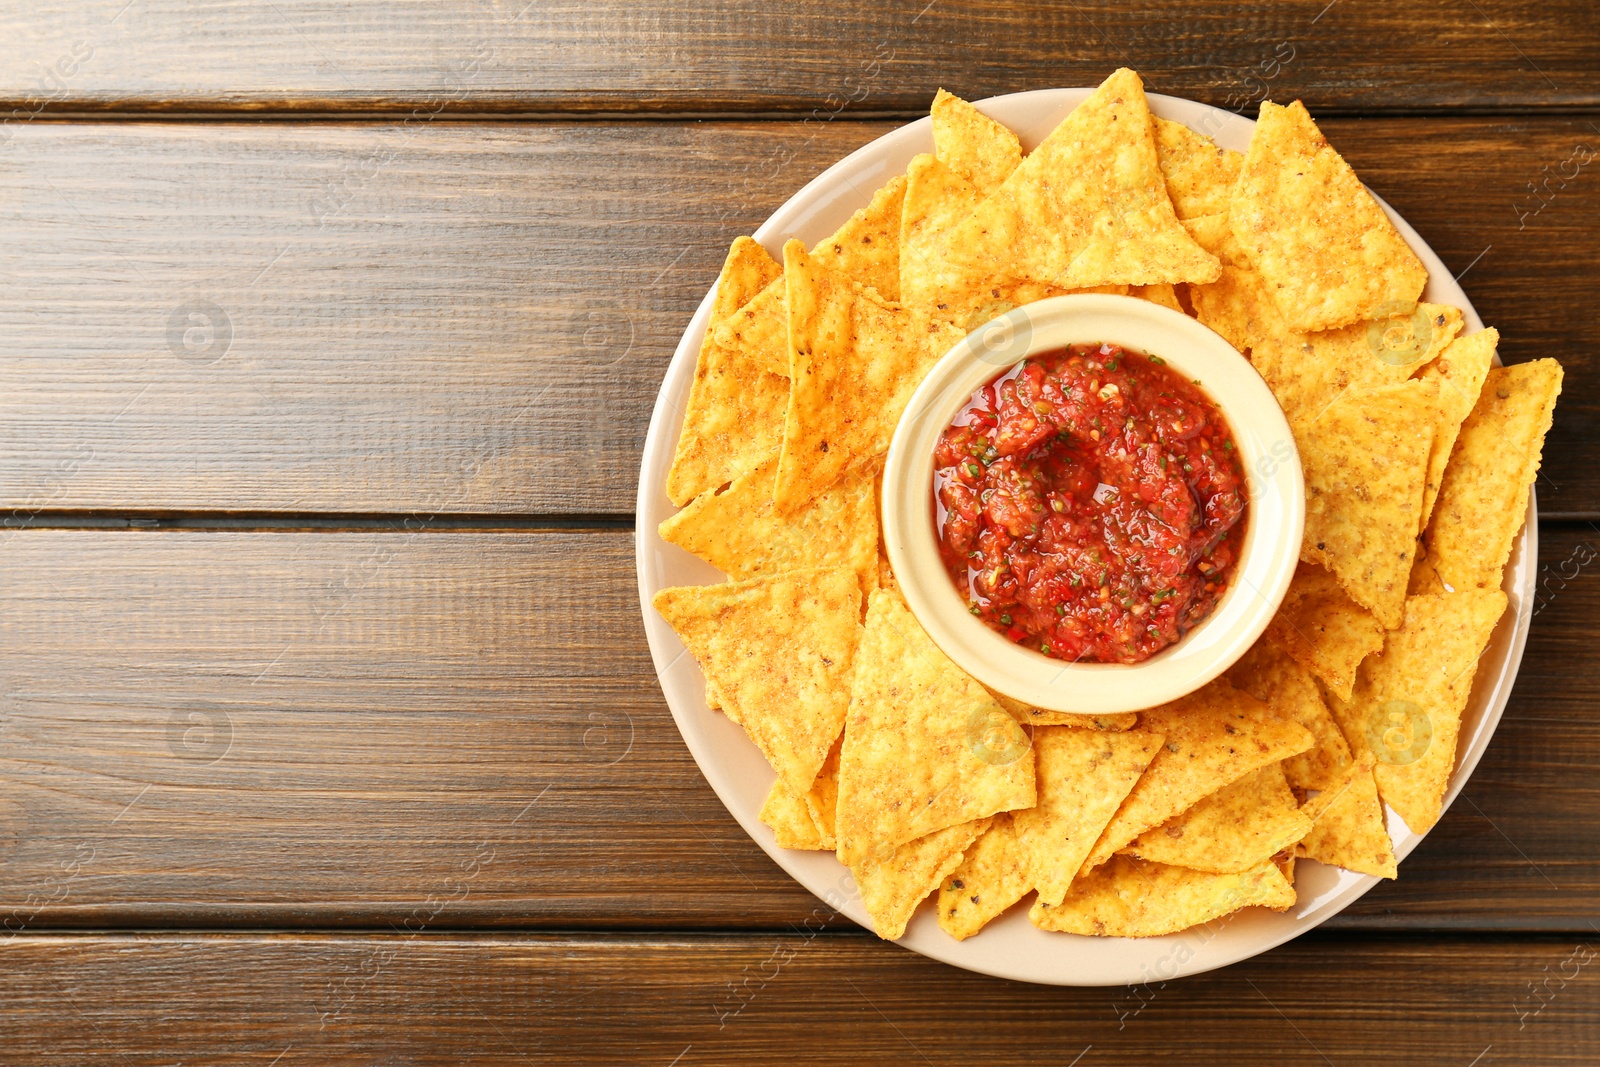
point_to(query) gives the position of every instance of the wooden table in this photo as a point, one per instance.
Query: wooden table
(329, 333)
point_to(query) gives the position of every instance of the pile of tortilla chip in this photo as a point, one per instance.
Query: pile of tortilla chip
(1418, 454)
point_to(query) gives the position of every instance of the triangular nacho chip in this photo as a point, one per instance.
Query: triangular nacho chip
(1460, 371)
(854, 363)
(1366, 461)
(734, 416)
(1406, 709)
(1161, 293)
(1307, 372)
(1270, 675)
(823, 800)
(1238, 827)
(925, 746)
(1328, 253)
(1199, 175)
(739, 532)
(991, 878)
(892, 887)
(780, 650)
(1325, 631)
(1483, 497)
(790, 818)
(1347, 824)
(972, 144)
(1083, 777)
(1238, 307)
(1131, 898)
(1212, 233)
(1213, 736)
(1087, 207)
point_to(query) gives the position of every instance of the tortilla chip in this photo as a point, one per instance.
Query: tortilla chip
(1131, 898)
(780, 650)
(925, 746)
(1406, 709)
(1237, 306)
(1199, 175)
(790, 818)
(1238, 827)
(734, 416)
(855, 361)
(1460, 371)
(1270, 675)
(1366, 461)
(1161, 293)
(1115, 721)
(1328, 253)
(1483, 497)
(972, 144)
(1109, 223)
(1212, 233)
(866, 249)
(823, 799)
(892, 888)
(990, 879)
(1307, 372)
(1214, 736)
(739, 532)
(1082, 778)
(1325, 631)
(886, 574)
(1347, 824)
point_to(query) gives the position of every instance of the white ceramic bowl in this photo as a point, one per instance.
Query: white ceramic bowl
(1010, 947)
(1273, 522)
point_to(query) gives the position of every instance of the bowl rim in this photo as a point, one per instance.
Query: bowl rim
(1268, 555)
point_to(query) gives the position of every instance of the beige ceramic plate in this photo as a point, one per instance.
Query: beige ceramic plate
(1011, 947)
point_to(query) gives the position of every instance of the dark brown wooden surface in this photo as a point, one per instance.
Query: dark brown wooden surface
(327, 730)
(780, 998)
(741, 55)
(475, 318)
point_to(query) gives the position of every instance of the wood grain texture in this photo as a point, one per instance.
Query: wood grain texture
(532, 55)
(776, 999)
(318, 729)
(439, 317)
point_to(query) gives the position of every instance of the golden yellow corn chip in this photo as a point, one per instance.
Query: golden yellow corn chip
(1131, 898)
(1406, 709)
(931, 282)
(1366, 461)
(739, 532)
(990, 879)
(1309, 371)
(1087, 207)
(734, 417)
(1238, 827)
(1160, 293)
(866, 249)
(823, 800)
(1212, 233)
(790, 818)
(1460, 371)
(1270, 675)
(1214, 736)
(780, 650)
(1483, 498)
(1199, 175)
(1347, 824)
(1327, 252)
(1237, 306)
(1083, 777)
(925, 746)
(1325, 631)
(972, 144)
(855, 361)
(892, 887)
(1116, 721)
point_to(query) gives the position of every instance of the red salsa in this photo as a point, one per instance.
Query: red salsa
(1090, 504)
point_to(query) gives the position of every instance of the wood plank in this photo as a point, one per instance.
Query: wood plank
(331, 729)
(426, 1000)
(514, 55)
(475, 319)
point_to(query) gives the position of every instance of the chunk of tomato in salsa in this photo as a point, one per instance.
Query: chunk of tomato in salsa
(1090, 504)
